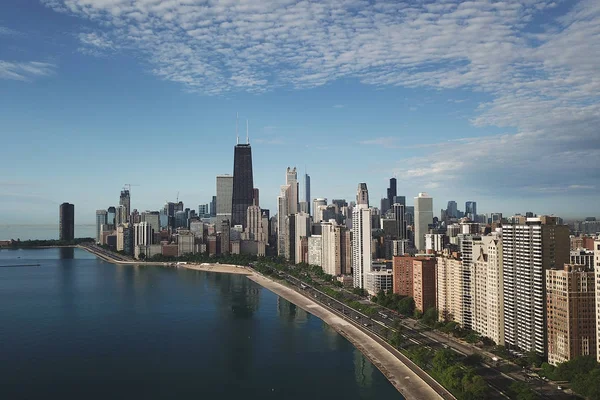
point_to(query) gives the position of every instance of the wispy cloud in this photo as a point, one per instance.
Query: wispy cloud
(544, 85)
(8, 31)
(271, 140)
(95, 44)
(338, 106)
(385, 141)
(25, 71)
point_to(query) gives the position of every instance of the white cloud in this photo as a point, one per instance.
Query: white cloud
(25, 71)
(7, 31)
(338, 106)
(544, 85)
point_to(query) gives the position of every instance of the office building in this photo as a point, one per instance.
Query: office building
(66, 228)
(307, 193)
(186, 242)
(203, 210)
(213, 206)
(143, 234)
(391, 193)
(384, 205)
(452, 209)
(125, 239)
(424, 283)
(125, 201)
(152, 218)
(399, 211)
(528, 250)
(423, 218)
(111, 216)
(317, 203)
(362, 195)
(197, 229)
(361, 241)
(256, 197)
(181, 219)
(315, 250)
(434, 242)
(291, 180)
(582, 257)
(487, 288)
(243, 183)
(224, 199)
(282, 215)
(101, 219)
(121, 215)
(571, 320)
(225, 243)
(471, 210)
(400, 247)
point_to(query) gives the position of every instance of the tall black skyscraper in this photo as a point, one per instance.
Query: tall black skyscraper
(67, 221)
(243, 184)
(125, 201)
(307, 191)
(392, 192)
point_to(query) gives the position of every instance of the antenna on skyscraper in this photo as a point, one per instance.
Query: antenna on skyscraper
(247, 136)
(237, 134)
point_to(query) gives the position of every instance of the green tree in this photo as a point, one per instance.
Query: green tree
(472, 337)
(406, 306)
(420, 356)
(521, 391)
(430, 316)
(443, 359)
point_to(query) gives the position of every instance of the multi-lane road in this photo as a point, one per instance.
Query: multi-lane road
(413, 334)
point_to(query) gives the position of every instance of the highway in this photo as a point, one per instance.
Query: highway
(413, 334)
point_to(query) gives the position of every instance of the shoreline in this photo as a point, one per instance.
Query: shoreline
(391, 363)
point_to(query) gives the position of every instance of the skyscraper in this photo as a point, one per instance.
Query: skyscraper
(112, 214)
(391, 193)
(101, 218)
(291, 179)
(528, 250)
(423, 218)
(362, 194)
(243, 183)
(213, 206)
(125, 201)
(452, 209)
(67, 221)
(597, 273)
(400, 220)
(224, 198)
(361, 243)
(307, 191)
(471, 210)
(282, 213)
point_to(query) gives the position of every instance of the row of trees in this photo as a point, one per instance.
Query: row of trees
(21, 244)
(402, 304)
(582, 372)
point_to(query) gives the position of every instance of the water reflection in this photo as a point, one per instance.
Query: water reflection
(67, 253)
(291, 312)
(237, 290)
(363, 370)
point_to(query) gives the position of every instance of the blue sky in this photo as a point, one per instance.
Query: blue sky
(496, 102)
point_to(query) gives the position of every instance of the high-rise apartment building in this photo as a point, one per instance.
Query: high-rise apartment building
(487, 288)
(317, 212)
(424, 290)
(291, 180)
(125, 201)
(362, 195)
(282, 215)
(403, 275)
(361, 241)
(203, 210)
(66, 224)
(570, 308)
(399, 216)
(423, 218)
(243, 183)
(597, 272)
(450, 287)
(302, 230)
(528, 250)
(224, 199)
(101, 219)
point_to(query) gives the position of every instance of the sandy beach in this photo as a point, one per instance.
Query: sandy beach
(221, 268)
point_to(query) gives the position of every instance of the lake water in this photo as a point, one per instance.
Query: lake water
(42, 232)
(77, 327)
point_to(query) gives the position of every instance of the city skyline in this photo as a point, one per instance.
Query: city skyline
(85, 98)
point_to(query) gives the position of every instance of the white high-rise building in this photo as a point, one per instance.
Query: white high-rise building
(224, 198)
(254, 226)
(423, 218)
(487, 288)
(449, 287)
(330, 259)
(302, 229)
(317, 212)
(528, 250)
(597, 272)
(361, 244)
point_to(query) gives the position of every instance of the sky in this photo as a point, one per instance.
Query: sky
(492, 101)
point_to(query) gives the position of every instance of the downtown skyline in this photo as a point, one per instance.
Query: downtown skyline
(90, 107)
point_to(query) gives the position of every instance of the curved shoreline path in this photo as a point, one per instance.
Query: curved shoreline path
(404, 379)
(407, 378)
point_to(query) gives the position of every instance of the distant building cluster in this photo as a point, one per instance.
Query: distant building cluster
(528, 282)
